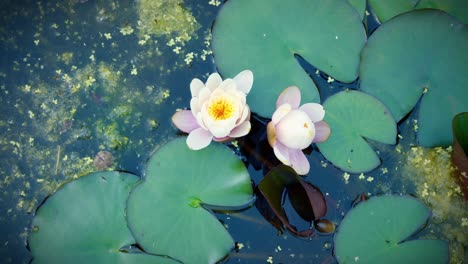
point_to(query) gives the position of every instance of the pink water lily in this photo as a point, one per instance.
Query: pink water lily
(218, 112)
(293, 128)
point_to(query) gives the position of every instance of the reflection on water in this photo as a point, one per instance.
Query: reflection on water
(79, 78)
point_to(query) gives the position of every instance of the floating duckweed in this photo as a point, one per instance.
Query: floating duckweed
(168, 18)
(432, 172)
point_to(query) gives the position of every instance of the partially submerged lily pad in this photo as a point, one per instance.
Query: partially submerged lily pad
(419, 54)
(266, 35)
(376, 231)
(353, 117)
(385, 10)
(167, 212)
(306, 199)
(460, 150)
(84, 222)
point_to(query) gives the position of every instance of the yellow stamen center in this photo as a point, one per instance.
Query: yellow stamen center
(221, 109)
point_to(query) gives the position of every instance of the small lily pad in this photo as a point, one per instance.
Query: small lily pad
(377, 231)
(353, 117)
(168, 213)
(385, 9)
(266, 35)
(420, 54)
(84, 222)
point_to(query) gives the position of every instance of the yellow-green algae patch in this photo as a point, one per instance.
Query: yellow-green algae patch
(432, 172)
(168, 18)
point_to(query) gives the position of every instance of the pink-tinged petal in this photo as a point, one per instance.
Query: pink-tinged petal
(223, 139)
(195, 86)
(214, 80)
(245, 114)
(322, 131)
(271, 134)
(199, 138)
(282, 153)
(185, 121)
(241, 130)
(244, 81)
(299, 161)
(291, 96)
(280, 112)
(314, 111)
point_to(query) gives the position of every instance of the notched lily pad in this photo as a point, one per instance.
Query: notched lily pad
(353, 117)
(84, 222)
(265, 35)
(167, 211)
(306, 199)
(377, 231)
(419, 54)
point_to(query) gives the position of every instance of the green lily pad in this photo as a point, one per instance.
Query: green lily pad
(376, 231)
(167, 211)
(421, 53)
(385, 9)
(353, 117)
(84, 222)
(360, 6)
(265, 35)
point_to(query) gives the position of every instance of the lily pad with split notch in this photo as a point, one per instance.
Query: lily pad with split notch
(266, 35)
(377, 231)
(84, 222)
(353, 117)
(419, 55)
(168, 213)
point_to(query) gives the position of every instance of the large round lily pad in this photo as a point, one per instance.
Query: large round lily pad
(376, 231)
(167, 213)
(420, 54)
(353, 117)
(385, 9)
(84, 222)
(265, 35)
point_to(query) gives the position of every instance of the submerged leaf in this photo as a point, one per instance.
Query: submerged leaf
(376, 231)
(419, 54)
(167, 211)
(84, 222)
(306, 199)
(266, 35)
(353, 117)
(460, 150)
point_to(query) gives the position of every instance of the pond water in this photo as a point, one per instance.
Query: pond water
(79, 77)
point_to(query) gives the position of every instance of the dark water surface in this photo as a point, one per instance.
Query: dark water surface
(77, 77)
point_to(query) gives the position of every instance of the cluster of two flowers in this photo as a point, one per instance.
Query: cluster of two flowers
(219, 112)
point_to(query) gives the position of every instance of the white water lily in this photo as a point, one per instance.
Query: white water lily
(293, 128)
(218, 110)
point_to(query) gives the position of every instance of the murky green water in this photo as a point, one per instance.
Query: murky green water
(77, 78)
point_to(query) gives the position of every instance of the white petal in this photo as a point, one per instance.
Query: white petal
(214, 80)
(280, 113)
(194, 106)
(228, 85)
(245, 114)
(199, 138)
(241, 130)
(204, 95)
(244, 81)
(282, 153)
(295, 130)
(221, 128)
(195, 86)
(290, 95)
(314, 111)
